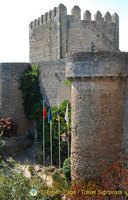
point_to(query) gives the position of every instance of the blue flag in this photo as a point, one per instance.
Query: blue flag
(50, 114)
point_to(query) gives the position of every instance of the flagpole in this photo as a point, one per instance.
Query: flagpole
(51, 138)
(59, 139)
(68, 133)
(43, 137)
(68, 140)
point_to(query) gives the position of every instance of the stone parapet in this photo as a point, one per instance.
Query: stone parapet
(76, 13)
(97, 64)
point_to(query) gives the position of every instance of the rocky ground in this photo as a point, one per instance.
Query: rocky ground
(30, 155)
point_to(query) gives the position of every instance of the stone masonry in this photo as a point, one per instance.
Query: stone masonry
(11, 106)
(51, 77)
(63, 46)
(98, 100)
(55, 33)
(99, 96)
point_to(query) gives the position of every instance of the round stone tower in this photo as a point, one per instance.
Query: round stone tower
(99, 100)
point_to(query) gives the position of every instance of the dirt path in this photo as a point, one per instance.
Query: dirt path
(25, 156)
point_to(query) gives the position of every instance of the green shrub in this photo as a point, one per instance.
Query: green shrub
(32, 98)
(2, 143)
(15, 186)
(40, 157)
(33, 108)
(67, 170)
(55, 133)
(67, 83)
(58, 181)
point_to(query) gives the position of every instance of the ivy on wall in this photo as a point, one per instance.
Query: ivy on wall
(67, 83)
(32, 102)
(32, 97)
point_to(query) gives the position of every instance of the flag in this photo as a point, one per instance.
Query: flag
(66, 114)
(44, 112)
(50, 114)
(58, 115)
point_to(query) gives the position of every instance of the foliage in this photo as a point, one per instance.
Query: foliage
(8, 127)
(40, 157)
(55, 133)
(32, 97)
(50, 169)
(115, 177)
(112, 185)
(67, 170)
(78, 190)
(15, 186)
(59, 181)
(31, 170)
(2, 143)
(33, 109)
(68, 83)
(60, 171)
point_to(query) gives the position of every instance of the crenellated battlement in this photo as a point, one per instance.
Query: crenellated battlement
(76, 13)
(56, 33)
(48, 16)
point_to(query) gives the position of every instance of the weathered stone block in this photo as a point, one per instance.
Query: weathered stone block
(98, 99)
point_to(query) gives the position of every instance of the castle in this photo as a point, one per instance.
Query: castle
(55, 34)
(87, 53)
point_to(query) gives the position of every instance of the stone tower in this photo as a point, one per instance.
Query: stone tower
(99, 100)
(55, 33)
(89, 51)
(63, 46)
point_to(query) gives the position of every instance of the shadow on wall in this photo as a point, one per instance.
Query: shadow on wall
(11, 105)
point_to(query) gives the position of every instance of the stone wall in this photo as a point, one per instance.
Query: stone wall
(11, 105)
(44, 40)
(99, 100)
(54, 34)
(52, 76)
(46, 35)
(82, 33)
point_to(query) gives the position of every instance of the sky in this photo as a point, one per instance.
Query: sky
(15, 16)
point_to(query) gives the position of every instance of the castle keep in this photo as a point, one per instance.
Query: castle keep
(55, 34)
(60, 42)
(86, 52)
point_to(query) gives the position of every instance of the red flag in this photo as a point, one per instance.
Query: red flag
(44, 113)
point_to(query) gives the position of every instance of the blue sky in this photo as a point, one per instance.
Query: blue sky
(15, 17)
